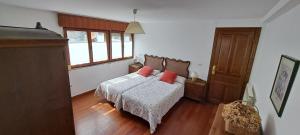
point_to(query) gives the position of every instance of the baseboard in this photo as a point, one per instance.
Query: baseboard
(84, 93)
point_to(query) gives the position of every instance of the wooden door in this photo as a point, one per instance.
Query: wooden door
(231, 62)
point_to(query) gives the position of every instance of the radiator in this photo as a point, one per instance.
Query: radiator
(249, 95)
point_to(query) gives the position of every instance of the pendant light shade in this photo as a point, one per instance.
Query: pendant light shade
(134, 27)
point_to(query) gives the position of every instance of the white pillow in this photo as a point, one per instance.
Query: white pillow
(180, 79)
(160, 74)
(155, 72)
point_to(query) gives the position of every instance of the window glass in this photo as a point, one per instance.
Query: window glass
(99, 46)
(78, 47)
(86, 44)
(127, 45)
(116, 45)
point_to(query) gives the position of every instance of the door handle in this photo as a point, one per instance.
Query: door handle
(213, 72)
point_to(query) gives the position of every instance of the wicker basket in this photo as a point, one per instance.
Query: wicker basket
(229, 128)
(234, 129)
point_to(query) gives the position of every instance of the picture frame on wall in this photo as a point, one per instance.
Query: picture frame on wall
(285, 76)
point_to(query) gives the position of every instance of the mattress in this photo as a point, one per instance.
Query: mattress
(112, 89)
(152, 100)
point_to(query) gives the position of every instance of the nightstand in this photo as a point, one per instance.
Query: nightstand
(195, 90)
(134, 67)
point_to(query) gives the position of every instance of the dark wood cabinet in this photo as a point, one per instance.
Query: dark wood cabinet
(134, 67)
(218, 126)
(35, 94)
(195, 90)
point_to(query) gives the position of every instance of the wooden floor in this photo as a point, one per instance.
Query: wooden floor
(94, 116)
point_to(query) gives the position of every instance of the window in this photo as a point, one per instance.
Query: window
(116, 46)
(99, 46)
(128, 45)
(78, 44)
(90, 47)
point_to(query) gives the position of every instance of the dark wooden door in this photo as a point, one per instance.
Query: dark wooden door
(231, 62)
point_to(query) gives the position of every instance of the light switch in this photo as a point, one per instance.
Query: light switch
(69, 67)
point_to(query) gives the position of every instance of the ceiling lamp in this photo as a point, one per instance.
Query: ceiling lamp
(134, 27)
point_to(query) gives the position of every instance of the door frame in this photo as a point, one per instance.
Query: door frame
(252, 56)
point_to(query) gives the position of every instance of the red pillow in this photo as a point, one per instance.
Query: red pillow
(145, 71)
(168, 77)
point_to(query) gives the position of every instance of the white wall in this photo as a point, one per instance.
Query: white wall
(280, 36)
(82, 79)
(24, 17)
(186, 41)
(190, 41)
(89, 78)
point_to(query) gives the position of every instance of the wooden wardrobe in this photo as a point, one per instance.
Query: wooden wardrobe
(34, 83)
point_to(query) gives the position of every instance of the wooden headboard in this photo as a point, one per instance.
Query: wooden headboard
(179, 66)
(154, 61)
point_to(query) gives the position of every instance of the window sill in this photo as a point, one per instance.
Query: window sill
(75, 67)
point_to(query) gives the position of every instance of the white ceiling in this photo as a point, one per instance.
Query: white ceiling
(155, 10)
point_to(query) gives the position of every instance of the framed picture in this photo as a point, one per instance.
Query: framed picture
(285, 76)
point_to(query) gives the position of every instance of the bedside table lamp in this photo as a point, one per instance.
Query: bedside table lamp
(135, 59)
(194, 76)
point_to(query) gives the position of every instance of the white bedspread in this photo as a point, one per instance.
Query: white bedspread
(152, 100)
(112, 89)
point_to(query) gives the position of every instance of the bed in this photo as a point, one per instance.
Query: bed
(112, 89)
(154, 98)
